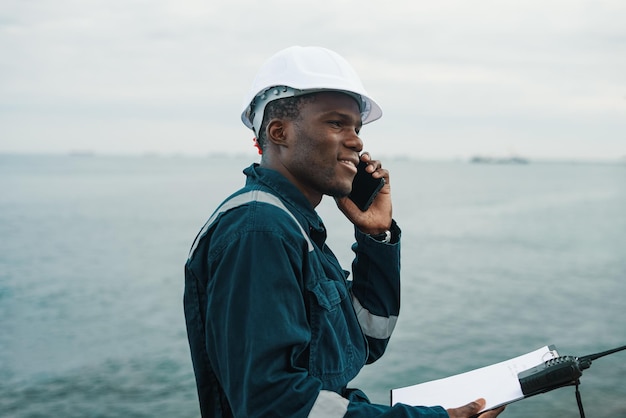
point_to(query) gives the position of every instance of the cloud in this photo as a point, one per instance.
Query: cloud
(489, 75)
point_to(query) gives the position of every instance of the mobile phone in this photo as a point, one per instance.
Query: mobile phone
(364, 187)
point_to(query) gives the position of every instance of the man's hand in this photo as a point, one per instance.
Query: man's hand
(472, 408)
(376, 219)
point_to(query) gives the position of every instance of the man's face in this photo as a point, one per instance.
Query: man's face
(324, 146)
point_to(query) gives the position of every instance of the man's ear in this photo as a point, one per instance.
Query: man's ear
(277, 131)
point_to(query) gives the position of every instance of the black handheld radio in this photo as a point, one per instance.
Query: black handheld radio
(554, 373)
(557, 372)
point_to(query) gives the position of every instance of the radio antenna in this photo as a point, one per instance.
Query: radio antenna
(585, 361)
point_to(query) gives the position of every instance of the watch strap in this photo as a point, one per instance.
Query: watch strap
(382, 237)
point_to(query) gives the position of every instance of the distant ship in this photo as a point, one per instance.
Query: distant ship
(477, 159)
(81, 153)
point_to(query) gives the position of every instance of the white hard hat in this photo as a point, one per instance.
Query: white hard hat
(297, 70)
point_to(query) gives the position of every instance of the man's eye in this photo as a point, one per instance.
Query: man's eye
(335, 123)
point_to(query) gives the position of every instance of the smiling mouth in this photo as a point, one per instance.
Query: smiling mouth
(349, 164)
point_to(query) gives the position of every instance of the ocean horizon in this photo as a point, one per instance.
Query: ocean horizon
(497, 260)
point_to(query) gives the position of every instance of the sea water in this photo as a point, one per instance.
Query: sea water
(498, 260)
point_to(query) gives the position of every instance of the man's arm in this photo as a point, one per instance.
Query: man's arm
(376, 267)
(376, 288)
(256, 327)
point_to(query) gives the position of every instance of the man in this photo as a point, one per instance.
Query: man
(275, 327)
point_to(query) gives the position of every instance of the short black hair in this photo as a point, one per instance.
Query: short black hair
(287, 108)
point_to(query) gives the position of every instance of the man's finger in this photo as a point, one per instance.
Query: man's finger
(468, 410)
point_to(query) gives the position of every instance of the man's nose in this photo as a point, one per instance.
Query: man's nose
(354, 142)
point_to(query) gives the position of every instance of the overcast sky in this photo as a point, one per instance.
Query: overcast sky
(535, 78)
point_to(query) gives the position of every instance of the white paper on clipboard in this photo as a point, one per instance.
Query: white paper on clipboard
(497, 384)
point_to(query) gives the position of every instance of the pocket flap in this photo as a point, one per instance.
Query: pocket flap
(329, 293)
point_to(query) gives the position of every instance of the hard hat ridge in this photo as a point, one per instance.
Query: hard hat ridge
(295, 71)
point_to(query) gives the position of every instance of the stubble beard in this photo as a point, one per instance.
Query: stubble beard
(323, 180)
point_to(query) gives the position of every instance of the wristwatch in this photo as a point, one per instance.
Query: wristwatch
(383, 237)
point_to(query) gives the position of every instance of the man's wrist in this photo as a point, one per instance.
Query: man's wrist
(392, 235)
(383, 237)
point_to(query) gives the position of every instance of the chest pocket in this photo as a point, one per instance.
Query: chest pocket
(338, 349)
(329, 294)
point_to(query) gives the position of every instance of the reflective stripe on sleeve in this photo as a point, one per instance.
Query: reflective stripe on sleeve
(374, 326)
(329, 405)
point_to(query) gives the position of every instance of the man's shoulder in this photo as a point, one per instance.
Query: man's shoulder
(251, 212)
(255, 210)
(245, 203)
